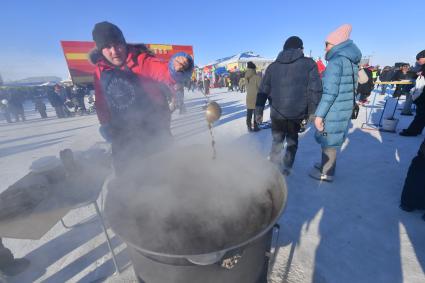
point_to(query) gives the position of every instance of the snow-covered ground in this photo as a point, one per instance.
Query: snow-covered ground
(350, 230)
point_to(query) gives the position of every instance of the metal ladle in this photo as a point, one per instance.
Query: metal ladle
(213, 112)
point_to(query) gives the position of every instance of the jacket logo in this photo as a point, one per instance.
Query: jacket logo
(121, 93)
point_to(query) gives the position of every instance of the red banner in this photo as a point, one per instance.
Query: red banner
(81, 70)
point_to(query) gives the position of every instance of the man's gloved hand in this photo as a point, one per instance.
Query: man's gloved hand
(106, 132)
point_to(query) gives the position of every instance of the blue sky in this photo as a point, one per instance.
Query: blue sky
(30, 31)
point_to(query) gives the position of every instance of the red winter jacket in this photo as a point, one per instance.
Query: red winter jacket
(321, 67)
(140, 62)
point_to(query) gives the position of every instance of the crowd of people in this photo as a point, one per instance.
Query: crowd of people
(67, 102)
(298, 91)
(132, 90)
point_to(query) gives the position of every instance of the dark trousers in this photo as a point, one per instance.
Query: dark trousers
(19, 114)
(6, 256)
(60, 113)
(250, 114)
(283, 129)
(413, 195)
(418, 123)
(43, 113)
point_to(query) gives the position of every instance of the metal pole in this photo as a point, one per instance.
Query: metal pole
(395, 108)
(117, 271)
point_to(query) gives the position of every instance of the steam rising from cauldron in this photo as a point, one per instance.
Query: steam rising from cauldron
(183, 202)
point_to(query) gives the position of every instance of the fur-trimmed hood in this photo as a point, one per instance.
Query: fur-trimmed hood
(95, 55)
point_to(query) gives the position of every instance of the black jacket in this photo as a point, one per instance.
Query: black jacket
(294, 85)
(367, 87)
(386, 75)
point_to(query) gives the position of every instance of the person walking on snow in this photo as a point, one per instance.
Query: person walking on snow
(40, 107)
(336, 106)
(252, 84)
(131, 86)
(417, 125)
(293, 84)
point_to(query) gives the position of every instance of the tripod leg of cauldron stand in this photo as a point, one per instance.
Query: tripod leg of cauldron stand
(369, 117)
(382, 114)
(108, 240)
(271, 254)
(395, 107)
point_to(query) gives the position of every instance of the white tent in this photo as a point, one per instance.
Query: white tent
(240, 60)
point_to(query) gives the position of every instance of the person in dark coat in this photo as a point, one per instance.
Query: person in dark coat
(16, 106)
(40, 107)
(207, 85)
(294, 85)
(9, 265)
(79, 93)
(131, 89)
(364, 90)
(4, 109)
(385, 76)
(400, 75)
(417, 125)
(404, 74)
(56, 101)
(413, 195)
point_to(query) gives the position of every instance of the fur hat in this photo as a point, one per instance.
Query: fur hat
(294, 42)
(105, 33)
(339, 35)
(420, 55)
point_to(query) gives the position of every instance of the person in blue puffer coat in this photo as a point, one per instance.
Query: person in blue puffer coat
(336, 105)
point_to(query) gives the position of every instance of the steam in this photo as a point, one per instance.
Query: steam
(182, 202)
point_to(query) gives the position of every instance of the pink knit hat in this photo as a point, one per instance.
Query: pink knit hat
(339, 35)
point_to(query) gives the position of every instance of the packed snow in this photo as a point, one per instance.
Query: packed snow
(350, 230)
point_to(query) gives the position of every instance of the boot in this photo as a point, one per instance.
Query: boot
(249, 126)
(316, 174)
(256, 128)
(15, 267)
(406, 133)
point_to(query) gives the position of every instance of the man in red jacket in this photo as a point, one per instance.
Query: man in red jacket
(131, 86)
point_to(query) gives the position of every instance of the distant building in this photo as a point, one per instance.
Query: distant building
(239, 62)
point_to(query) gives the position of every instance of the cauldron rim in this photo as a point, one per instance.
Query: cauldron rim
(283, 188)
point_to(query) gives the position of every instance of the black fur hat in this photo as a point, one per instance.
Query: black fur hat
(294, 42)
(105, 33)
(420, 55)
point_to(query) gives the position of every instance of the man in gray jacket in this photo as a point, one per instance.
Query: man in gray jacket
(294, 86)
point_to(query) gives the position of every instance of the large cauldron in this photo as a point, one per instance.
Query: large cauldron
(245, 262)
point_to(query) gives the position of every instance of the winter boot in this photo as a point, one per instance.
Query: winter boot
(317, 174)
(15, 267)
(249, 126)
(256, 128)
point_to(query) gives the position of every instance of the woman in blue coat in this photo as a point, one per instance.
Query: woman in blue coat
(335, 108)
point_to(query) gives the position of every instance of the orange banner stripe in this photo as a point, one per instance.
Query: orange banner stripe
(76, 56)
(161, 46)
